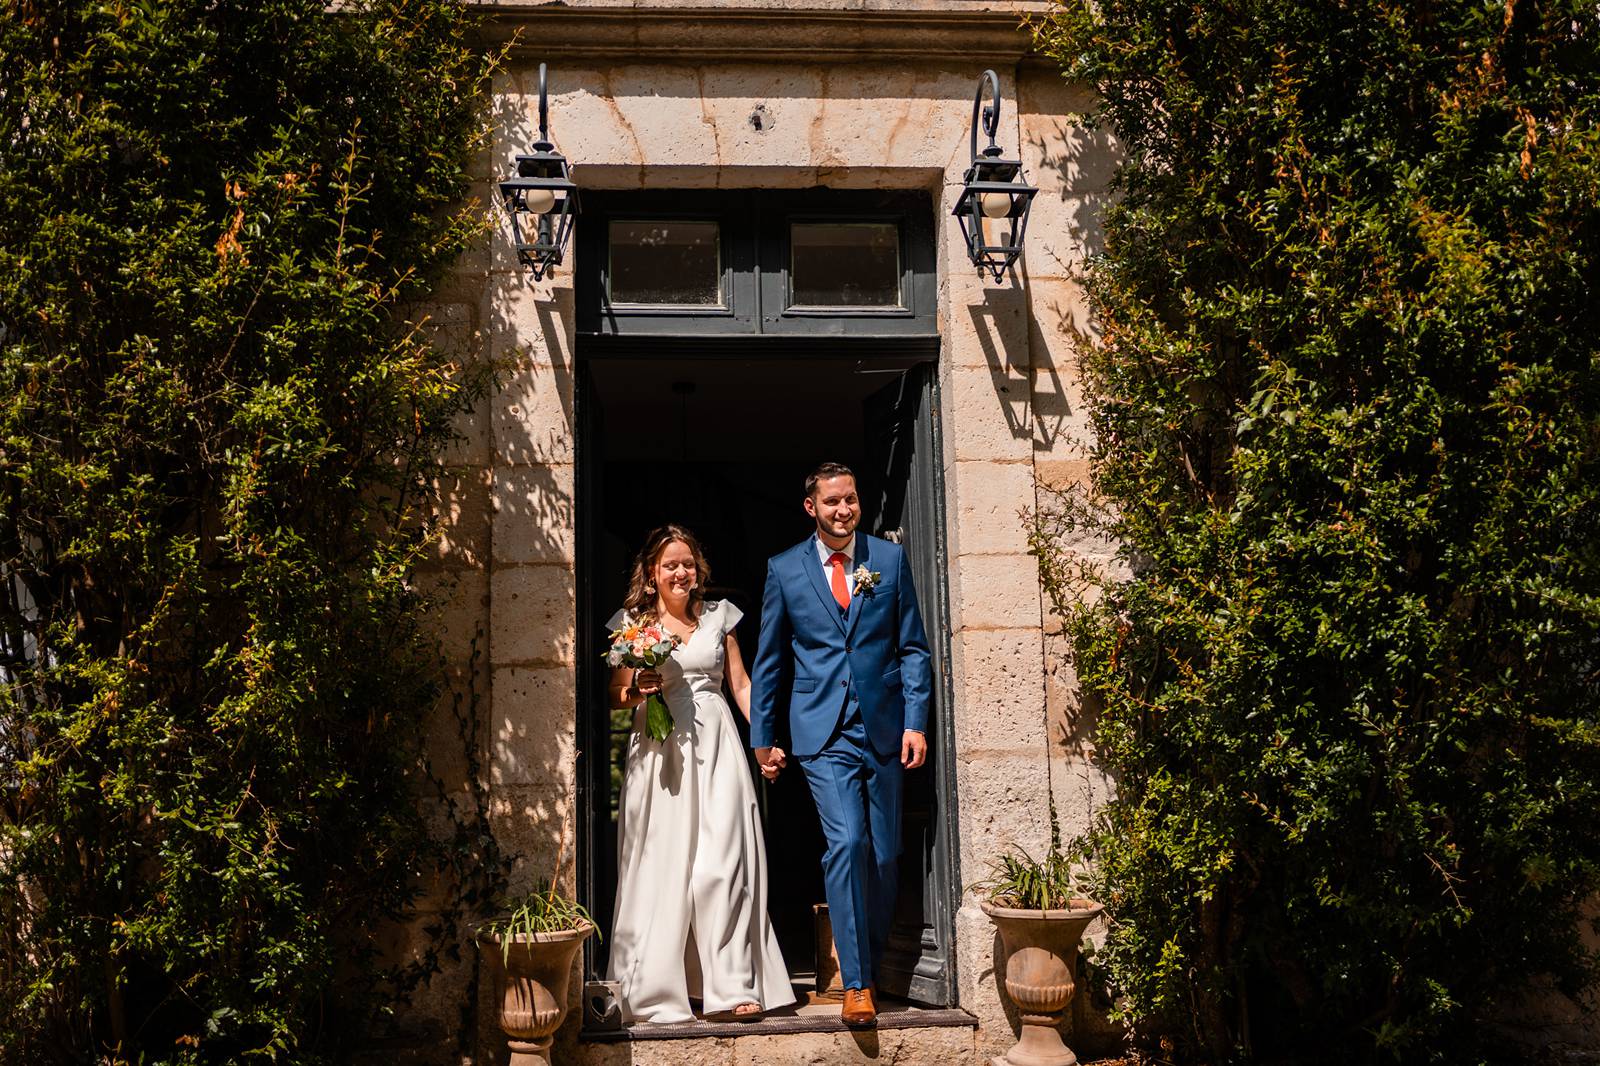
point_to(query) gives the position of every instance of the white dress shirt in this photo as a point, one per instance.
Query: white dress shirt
(824, 553)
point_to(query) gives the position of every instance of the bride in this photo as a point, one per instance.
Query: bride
(691, 917)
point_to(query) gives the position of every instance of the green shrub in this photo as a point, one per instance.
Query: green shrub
(216, 422)
(1346, 402)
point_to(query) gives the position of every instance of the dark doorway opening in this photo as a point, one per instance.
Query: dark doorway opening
(721, 443)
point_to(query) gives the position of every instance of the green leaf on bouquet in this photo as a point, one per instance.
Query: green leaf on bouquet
(657, 719)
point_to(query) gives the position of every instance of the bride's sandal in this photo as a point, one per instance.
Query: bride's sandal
(748, 1011)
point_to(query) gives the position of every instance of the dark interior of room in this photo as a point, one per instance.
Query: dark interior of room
(722, 446)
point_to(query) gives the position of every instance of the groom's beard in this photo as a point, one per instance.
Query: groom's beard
(841, 529)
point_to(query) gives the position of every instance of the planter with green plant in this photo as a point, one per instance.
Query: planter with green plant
(533, 940)
(1041, 919)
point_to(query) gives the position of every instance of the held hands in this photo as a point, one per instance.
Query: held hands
(913, 749)
(772, 760)
(913, 753)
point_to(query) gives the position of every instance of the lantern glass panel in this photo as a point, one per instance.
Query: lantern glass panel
(845, 264)
(996, 232)
(665, 263)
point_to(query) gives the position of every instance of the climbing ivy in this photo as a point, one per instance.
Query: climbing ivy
(1346, 406)
(219, 406)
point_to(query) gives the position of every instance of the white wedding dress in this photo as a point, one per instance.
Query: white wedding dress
(691, 917)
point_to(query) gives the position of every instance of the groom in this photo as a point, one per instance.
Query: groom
(839, 621)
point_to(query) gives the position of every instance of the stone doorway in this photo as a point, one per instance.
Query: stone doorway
(720, 441)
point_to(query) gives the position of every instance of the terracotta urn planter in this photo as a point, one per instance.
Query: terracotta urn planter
(532, 982)
(1041, 959)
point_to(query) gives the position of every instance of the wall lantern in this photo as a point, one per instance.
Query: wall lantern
(993, 206)
(541, 199)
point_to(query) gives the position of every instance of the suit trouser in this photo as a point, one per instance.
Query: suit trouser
(857, 792)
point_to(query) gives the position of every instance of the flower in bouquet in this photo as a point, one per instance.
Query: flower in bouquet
(645, 646)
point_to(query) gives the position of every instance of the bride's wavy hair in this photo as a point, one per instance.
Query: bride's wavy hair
(641, 601)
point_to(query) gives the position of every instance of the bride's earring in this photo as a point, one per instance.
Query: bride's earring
(650, 590)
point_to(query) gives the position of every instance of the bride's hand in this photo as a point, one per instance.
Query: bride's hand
(770, 760)
(647, 682)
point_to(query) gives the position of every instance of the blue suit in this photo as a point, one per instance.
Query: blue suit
(852, 683)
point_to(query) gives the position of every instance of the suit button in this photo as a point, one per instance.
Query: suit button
(848, 650)
(844, 684)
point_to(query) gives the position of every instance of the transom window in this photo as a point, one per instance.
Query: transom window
(665, 263)
(730, 262)
(844, 264)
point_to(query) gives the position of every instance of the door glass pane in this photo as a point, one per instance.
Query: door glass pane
(665, 262)
(844, 264)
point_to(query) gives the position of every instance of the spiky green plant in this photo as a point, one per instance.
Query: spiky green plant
(545, 909)
(1017, 879)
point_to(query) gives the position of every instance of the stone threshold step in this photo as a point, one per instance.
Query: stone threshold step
(780, 1025)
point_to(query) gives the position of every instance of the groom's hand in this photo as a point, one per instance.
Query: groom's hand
(771, 760)
(913, 749)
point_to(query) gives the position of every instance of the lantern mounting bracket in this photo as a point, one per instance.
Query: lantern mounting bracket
(991, 114)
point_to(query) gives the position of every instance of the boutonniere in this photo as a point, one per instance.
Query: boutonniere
(866, 580)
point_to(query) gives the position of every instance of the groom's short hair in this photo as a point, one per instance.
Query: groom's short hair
(823, 473)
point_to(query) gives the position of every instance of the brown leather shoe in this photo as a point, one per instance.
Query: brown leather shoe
(859, 1009)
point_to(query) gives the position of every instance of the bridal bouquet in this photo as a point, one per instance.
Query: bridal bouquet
(645, 647)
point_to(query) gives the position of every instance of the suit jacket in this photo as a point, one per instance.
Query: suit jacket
(876, 653)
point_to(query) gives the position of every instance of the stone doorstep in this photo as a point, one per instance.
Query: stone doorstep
(811, 1018)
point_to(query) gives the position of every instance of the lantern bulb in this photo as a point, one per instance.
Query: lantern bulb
(995, 204)
(539, 201)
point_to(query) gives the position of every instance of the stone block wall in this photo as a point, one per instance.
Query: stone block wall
(455, 578)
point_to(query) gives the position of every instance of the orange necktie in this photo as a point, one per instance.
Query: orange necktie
(836, 561)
